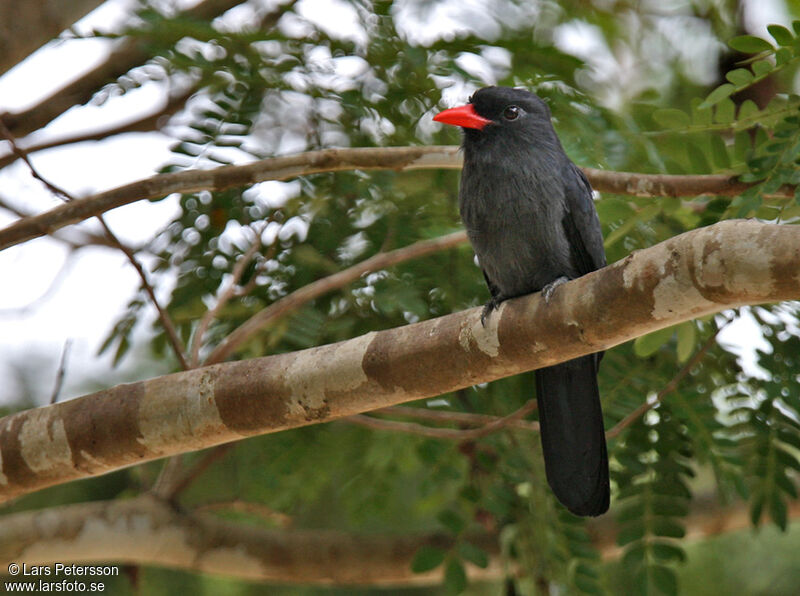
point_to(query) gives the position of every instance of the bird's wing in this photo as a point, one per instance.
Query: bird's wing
(493, 289)
(580, 222)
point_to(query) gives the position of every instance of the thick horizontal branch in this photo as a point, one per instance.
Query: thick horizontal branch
(726, 265)
(332, 160)
(146, 531)
(276, 168)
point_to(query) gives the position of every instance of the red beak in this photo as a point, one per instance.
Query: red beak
(464, 116)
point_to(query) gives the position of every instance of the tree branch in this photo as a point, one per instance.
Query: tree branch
(328, 284)
(28, 25)
(126, 55)
(166, 322)
(226, 294)
(144, 124)
(669, 387)
(450, 433)
(157, 534)
(445, 416)
(333, 160)
(146, 531)
(704, 271)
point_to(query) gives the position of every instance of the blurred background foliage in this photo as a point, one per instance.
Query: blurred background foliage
(675, 86)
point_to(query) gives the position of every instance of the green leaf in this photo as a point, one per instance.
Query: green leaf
(647, 345)
(756, 508)
(631, 533)
(686, 341)
(473, 554)
(664, 526)
(634, 555)
(427, 558)
(671, 118)
(122, 349)
(645, 214)
(750, 44)
(778, 512)
(725, 111)
(455, 578)
(781, 34)
(783, 56)
(664, 579)
(697, 158)
(747, 109)
(717, 95)
(611, 209)
(719, 152)
(700, 115)
(739, 77)
(666, 552)
(451, 520)
(762, 67)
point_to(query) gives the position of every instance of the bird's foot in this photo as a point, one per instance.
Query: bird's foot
(493, 303)
(547, 291)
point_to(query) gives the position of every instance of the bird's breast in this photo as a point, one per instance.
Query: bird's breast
(514, 223)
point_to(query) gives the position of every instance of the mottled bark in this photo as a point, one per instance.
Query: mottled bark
(147, 531)
(729, 264)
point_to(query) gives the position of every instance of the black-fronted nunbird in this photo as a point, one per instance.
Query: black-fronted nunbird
(531, 220)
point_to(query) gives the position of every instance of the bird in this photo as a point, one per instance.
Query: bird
(530, 217)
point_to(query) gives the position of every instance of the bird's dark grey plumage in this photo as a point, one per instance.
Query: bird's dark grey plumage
(530, 217)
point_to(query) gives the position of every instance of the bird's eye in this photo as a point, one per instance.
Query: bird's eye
(511, 113)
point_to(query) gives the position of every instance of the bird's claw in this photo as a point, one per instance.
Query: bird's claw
(547, 291)
(487, 310)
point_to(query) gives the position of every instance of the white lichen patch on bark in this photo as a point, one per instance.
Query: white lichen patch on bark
(165, 421)
(144, 540)
(632, 273)
(94, 463)
(758, 272)
(486, 339)
(43, 442)
(312, 374)
(3, 477)
(676, 293)
(436, 160)
(222, 559)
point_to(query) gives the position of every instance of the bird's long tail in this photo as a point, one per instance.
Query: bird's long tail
(573, 439)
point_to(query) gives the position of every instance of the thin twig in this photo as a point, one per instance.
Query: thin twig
(144, 124)
(444, 416)
(360, 158)
(669, 387)
(229, 292)
(328, 284)
(239, 506)
(166, 321)
(495, 425)
(62, 371)
(169, 328)
(169, 484)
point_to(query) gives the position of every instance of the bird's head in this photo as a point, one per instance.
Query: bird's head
(501, 112)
